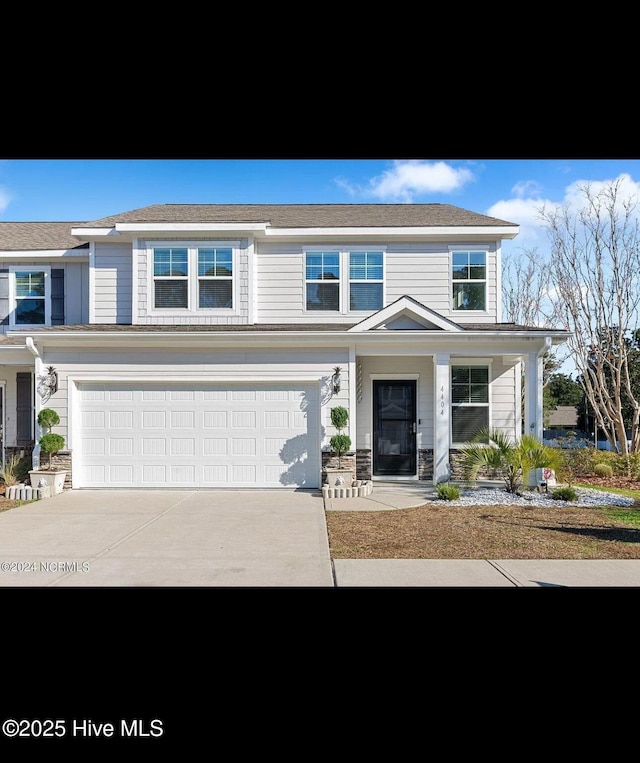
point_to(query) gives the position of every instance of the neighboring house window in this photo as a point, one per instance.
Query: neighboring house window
(30, 296)
(215, 278)
(171, 278)
(366, 278)
(469, 273)
(469, 401)
(323, 281)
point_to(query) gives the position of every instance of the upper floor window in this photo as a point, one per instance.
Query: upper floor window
(215, 277)
(323, 281)
(469, 275)
(366, 279)
(171, 278)
(193, 277)
(30, 290)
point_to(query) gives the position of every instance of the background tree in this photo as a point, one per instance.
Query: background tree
(595, 273)
(527, 301)
(563, 390)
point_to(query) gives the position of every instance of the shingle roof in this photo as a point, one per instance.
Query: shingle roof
(307, 215)
(38, 236)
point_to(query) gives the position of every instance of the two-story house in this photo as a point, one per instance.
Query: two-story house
(204, 345)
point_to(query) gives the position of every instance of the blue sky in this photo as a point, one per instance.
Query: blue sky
(511, 189)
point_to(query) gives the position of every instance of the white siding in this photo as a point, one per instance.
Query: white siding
(112, 283)
(503, 398)
(417, 270)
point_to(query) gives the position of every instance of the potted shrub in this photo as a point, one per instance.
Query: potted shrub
(51, 444)
(340, 445)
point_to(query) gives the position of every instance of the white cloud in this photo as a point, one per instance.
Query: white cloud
(526, 214)
(526, 187)
(525, 210)
(627, 189)
(5, 199)
(410, 178)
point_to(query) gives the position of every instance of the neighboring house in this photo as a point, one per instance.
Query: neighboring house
(196, 345)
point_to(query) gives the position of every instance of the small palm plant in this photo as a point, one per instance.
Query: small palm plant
(512, 460)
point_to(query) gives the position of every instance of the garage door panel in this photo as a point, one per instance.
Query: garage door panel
(199, 436)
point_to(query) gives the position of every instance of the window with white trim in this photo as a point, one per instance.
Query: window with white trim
(366, 280)
(30, 296)
(193, 277)
(215, 277)
(322, 276)
(171, 278)
(469, 401)
(469, 277)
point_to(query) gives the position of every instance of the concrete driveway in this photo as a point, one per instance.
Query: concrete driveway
(117, 538)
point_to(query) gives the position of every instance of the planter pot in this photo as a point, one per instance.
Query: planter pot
(50, 478)
(340, 477)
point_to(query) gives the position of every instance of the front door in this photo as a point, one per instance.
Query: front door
(394, 428)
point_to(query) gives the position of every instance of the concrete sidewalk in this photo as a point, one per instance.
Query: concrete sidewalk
(467, 573)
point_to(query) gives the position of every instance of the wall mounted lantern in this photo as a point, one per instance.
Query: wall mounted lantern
(48, 384)
(336, 380)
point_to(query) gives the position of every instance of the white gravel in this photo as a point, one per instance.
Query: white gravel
(497, 497)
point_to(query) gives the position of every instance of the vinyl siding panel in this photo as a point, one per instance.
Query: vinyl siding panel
(418, 270)
(112, 283)
(503, 398)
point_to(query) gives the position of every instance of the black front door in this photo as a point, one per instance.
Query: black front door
(394, 428)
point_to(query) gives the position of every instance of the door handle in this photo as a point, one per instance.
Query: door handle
(415, 427)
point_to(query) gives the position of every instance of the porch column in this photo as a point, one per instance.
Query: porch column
(533, 382)
(37, 402)
(441, 417)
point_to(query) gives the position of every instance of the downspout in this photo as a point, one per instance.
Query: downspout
(35, 456)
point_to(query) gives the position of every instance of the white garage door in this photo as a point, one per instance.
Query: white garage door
(198, 435)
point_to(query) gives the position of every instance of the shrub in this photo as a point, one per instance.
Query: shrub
(564, 494)
(447, 492)
(495, 450)
(48, 418)
(9, 474)
(51, 443)
(340, 443)
(603, 470)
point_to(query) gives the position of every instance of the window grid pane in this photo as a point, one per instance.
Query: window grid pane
(170, 262)
(365, 296)
(215, 263)
(365, 266)
(215, 293)
(30, 284)
(322, 271)
(323, 296)
(171, 294)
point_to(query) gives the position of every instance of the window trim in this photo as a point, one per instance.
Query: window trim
(469, 363)
(13, 298)
(457, 250)
(338, 282)
(344, 281)
(361, 250)
(193, 278)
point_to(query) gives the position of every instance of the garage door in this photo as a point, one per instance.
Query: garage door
(196, 435)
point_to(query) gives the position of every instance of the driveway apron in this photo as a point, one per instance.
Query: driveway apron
(116, 538)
